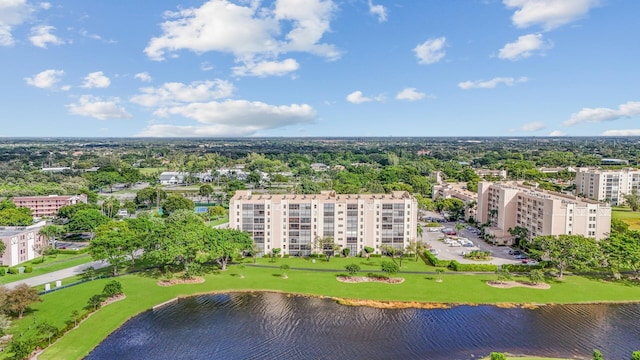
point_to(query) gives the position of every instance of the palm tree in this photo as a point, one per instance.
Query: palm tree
(419, 231)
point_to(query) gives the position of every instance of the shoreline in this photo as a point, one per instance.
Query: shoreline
(349, 298)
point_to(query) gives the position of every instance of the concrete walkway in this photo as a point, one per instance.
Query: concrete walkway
(52, 277)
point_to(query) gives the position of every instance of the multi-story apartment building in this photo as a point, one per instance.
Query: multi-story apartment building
(293, 222)
(506, 206)
(457, 191)
(607, 185)
(21, 243)
(486, 172)
(48, 205)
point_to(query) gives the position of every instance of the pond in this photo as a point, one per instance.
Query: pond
(280, 326)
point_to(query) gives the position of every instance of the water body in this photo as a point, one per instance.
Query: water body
(277, 326)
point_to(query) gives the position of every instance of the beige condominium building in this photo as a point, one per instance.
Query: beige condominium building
(292, 222)
(507, 205)
(607, 185)
(21, 243)
(48, 205)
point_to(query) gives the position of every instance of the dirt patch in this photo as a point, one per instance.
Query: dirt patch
(391, 304)
(512, 284)
(113, 299)
(361, 279)
(179, 281)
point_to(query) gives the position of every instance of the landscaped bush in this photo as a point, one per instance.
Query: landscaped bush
(498, 356)
(456, 266)
(517, 268)
(2, 271)
(375, 255)
(377, 276)
(434, 261)
(28, 269)
(286, 256)
(69, 251)
(12, 271)
(478, 255)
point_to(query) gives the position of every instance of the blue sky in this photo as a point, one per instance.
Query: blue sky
(319, 68)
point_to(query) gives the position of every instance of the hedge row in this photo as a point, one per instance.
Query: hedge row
(434, 261)
(456, 266)
(517, 268)
(69, 251)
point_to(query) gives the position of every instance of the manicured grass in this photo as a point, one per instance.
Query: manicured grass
(51, 264)
(408, 264)
(625, 214)
(143, 293)
(220, 221)
(151, 171)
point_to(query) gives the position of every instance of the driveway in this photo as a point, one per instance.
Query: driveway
(500, 254)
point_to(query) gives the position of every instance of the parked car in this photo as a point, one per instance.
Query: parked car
(530, 262)
(451, 233)
(515, 252)
(522, 256)
(434, 251)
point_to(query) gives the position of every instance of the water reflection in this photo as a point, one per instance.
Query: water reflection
(278, 326)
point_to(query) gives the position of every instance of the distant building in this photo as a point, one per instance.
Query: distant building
(607, 185)
(555, 170)
(505, 206)
(606, 161)
(292, 222)
(21, 243)
(486, 172)
(319, 167)
(179, 178)
(42, 206)
(55, 169)
(457, 191)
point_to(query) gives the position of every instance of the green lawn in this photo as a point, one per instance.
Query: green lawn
(220, 221)
(143, 293)
(341, 262)
(625, 214)
(151, 171)
(51, 263)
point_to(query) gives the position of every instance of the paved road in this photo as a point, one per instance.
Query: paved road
(58, 275)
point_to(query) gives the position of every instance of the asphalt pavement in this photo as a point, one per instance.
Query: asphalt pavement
(52, 277)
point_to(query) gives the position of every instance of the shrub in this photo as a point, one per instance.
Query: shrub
(375, 255)
(2, 271)
(377, 276)
(597, 355)
(498, 356)
(12, 271)
(28, 269)
(456, 266)
(517, 268)
(434, 261)
(389, 267)
(352, 269)
(112, 288)
(286, 256)
(635, 355)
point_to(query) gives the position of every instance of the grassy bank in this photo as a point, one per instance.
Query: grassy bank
(625, 214)
(143, 293)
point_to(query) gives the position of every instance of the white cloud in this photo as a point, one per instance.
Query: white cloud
(524, 47)
(410, 94)
(490, 84)
(625, 132)
(254, 34)
(45, 5)
(266, 68)
(46, 79)
(173, 93)
(378, 10)
(98, 108)
(530, 127)
(550, 14)
(356, 97)
(96, 80)
(557, 133)
(626, 110)
(430, 51)
(231, 118)
(143, 76)
(12, 13)
(42, 35)
(206, 66)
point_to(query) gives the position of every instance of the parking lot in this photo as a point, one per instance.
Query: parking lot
(456, 250)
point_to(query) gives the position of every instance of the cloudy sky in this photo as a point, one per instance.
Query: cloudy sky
(319, 68)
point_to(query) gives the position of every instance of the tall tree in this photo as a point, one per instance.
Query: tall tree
(177, 202)
(19, 298)
(111, 243)
(567, 251)
(632, 200)
(86, 221)
(222, 245)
